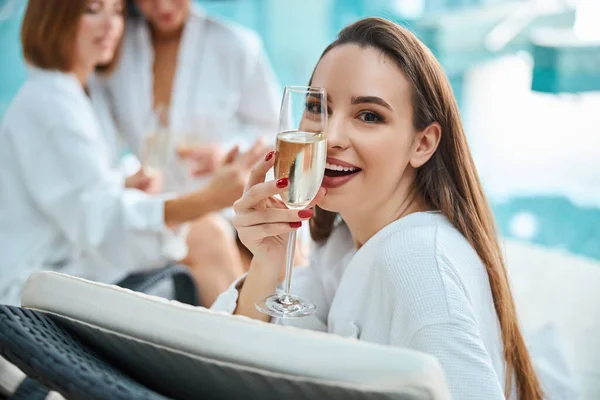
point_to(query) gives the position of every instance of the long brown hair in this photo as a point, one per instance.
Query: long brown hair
(448, 181)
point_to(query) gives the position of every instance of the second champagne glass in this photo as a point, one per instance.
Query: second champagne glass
(158, 143)
(301, 154)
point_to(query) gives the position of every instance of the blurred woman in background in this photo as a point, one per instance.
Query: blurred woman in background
(209, 83)
(64, 205)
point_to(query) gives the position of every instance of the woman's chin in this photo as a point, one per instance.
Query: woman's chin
(327, 205)
(106, 58)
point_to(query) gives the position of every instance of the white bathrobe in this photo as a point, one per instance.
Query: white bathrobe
(418, 283)
(224, 90)
(63, 205)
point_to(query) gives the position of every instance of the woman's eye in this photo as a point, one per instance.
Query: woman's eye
(314, 108)
(370, 117)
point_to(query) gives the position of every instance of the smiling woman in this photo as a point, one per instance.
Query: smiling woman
(408, 251)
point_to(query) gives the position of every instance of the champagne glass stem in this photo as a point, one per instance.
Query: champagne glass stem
(291, 248)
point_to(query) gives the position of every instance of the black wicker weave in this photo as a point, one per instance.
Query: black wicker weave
(184, 290)
(52, 356)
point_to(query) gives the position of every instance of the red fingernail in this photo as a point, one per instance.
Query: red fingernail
(269, 156)
(283, 182)
(296, 224)
(305, 213)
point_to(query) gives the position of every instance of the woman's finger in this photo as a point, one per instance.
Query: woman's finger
(269, 216)
(259, 192)
(202, 171)
(259, 172)
(253, 155)
(194, 152)
(231, 155)
(259, 232)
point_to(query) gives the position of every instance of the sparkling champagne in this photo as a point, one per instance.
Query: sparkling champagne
(301, 158)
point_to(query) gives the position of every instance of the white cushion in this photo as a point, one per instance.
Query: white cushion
(10, 378)
(207, 335)
(555, 288)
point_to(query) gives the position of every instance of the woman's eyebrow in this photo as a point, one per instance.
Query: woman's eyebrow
(371, 100)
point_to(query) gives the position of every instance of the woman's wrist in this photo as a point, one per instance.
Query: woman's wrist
(189, 207)
(267, 272)
(261, 281)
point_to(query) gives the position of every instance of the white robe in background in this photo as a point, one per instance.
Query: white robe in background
(224, 89)
(63, 205)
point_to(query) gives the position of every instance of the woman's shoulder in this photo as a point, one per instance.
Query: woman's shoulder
(45, 100)
(423, 245)
(426, 257)
(423, 234)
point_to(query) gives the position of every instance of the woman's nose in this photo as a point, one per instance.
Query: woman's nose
(163, 6)
(335, 133)
(112, 22)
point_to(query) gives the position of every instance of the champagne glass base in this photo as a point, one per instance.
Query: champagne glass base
(281, 305)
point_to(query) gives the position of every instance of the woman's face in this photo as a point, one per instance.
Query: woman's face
(99, 32)
(370, 136)
(166, 16)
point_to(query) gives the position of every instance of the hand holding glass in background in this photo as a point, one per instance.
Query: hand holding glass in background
(198, 153)
(158, 146)
(198, 157)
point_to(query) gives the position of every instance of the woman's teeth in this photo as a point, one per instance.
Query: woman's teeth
(334, 167)
(333, 170)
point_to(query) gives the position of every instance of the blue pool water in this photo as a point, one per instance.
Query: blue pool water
(296, 32)
(552, 222)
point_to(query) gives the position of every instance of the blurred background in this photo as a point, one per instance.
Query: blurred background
(526, 74)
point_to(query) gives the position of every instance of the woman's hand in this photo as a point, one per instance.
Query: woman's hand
(205, 159)
(149, 183)
(228, 181)
(263, 221)
(225, 187)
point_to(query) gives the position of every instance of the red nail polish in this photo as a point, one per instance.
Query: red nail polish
(283, 182)
(269, 156)
(296, 224)
(305, 213)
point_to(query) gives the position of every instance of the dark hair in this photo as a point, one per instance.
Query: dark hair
(448, 181)
(132, 10)
(49, 32)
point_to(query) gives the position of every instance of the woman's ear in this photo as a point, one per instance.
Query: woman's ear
(426, 144)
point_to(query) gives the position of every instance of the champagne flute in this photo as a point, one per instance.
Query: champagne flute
(186, 142)
(198, 131)
(158, 143)
(300, 157)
